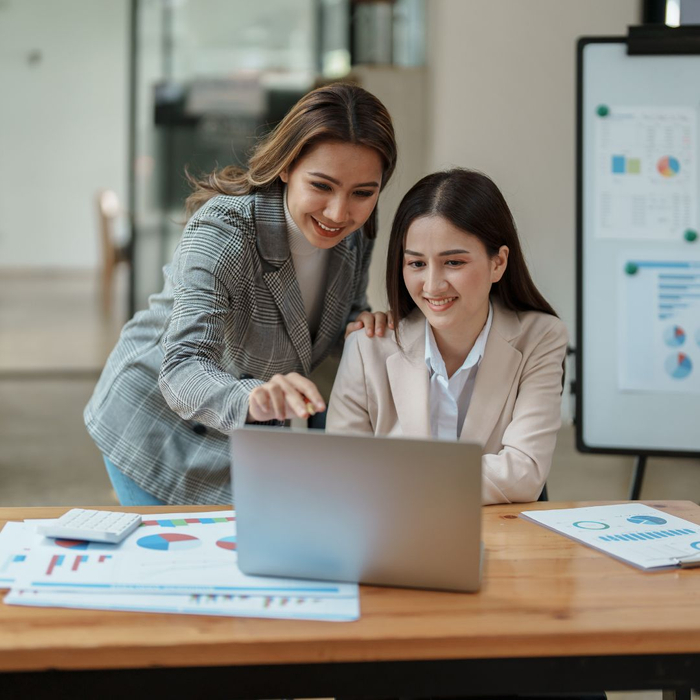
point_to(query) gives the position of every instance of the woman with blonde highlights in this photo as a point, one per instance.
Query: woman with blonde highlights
(271, 270)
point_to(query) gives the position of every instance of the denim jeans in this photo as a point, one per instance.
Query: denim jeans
(128, 491)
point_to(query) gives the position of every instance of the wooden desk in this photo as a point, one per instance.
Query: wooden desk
(553, 615)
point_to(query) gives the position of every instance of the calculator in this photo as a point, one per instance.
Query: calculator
(92, 525)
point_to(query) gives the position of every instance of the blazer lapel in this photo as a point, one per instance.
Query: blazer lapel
(409, 379)
(495, 376)
(278, 270)
(342, 263)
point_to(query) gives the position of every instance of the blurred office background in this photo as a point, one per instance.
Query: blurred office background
(104, 103)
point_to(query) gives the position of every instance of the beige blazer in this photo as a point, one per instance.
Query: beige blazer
(514, 411)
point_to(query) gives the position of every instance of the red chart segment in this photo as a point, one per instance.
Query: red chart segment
(227, 543)
(678, 365)
(72, 544)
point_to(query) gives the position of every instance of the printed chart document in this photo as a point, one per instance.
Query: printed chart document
(659, 323)
(278, 607)
(632, 532)
(178, 553)
(646, 173)
(70, 573)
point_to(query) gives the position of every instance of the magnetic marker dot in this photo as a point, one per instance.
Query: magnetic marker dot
(603, 110)
(690, 235)
(631, 268)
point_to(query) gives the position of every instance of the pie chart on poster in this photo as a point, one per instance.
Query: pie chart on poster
(678, 365)
(668, 166)
(674, 336)
(169, 541)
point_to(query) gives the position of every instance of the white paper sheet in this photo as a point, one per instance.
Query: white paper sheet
(181, 553)
(335, 602)
(278, 607)
(632, 532)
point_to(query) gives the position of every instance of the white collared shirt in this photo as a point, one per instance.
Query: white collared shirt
(450, 397)
(311, 267)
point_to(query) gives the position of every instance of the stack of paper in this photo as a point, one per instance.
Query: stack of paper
(635, 533)
(174, 563)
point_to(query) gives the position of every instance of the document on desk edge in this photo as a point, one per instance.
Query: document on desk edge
(635, 533)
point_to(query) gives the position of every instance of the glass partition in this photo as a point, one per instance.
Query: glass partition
(210, 76)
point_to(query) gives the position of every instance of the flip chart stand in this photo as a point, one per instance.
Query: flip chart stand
(594, 88)
(640, 465)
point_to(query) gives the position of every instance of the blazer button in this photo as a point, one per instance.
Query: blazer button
(200, 429)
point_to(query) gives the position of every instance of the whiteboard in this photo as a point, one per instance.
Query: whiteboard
(638, 267)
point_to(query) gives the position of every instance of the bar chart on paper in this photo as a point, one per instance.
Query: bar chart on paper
(184, 522)
(659, 324)
(8, 565)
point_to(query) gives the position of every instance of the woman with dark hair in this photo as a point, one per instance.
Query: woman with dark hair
(271, 270)
(477, 354)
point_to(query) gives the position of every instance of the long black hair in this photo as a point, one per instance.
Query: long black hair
(470, 201)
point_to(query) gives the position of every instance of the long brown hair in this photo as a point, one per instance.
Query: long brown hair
(470, 201)
(337, 112)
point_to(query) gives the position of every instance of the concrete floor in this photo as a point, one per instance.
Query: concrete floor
(53, 341)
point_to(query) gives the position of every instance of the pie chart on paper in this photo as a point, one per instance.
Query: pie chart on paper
(591, 525)
(678, 365)
(674, 336)
(668, 166)
(227, 543)
(169, 541)
(646, 520)
(72, 544)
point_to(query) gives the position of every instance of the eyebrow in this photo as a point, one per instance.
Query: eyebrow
(337, 182)
(456, 251)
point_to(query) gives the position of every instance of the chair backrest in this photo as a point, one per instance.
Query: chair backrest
(108, 212)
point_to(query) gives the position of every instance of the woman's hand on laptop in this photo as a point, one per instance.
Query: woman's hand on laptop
(285, 396)
(373, 323)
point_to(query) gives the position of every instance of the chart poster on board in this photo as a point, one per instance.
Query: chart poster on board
(638, 254)
(646, 172)
(659, 323)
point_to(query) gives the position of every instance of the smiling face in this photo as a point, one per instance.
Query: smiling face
(332, 190)
(449, 274)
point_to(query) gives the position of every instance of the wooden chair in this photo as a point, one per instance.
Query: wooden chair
(109, 210)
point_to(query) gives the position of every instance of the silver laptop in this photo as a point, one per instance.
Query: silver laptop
(388, 511)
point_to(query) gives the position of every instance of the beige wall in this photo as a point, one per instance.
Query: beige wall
(502, 99)
(403, 91)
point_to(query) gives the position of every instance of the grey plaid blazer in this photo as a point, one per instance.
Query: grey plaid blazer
(229, 317)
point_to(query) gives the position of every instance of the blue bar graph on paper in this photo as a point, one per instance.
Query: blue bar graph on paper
(646, 536)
